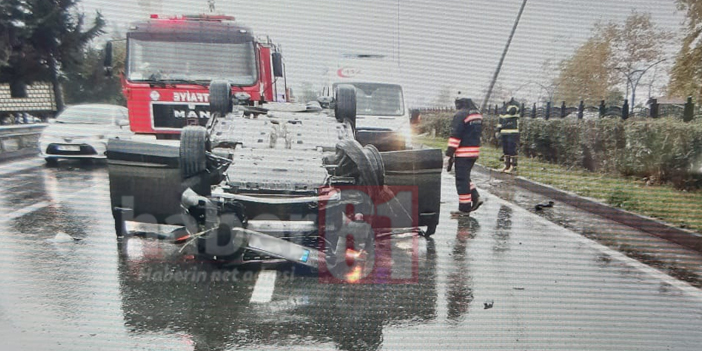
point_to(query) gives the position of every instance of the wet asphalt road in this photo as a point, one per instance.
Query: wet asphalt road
(506, 279)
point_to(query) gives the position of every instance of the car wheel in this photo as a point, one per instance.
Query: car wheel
(220, 97)
(365, 163)
(51, 162)
(193, 153)
(345, 104)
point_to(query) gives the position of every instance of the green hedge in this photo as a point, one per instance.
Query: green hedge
(660, 150)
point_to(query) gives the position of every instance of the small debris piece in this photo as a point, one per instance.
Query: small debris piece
(488, 304)
(541, 206)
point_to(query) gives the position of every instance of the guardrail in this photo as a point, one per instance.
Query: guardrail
(19, 141)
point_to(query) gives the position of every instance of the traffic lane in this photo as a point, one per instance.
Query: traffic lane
(96, 293)
(548, 287)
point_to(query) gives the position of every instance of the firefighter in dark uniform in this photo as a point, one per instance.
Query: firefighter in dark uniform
(508, 127)
(464, 149)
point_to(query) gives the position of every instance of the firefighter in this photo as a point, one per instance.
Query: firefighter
(508, 127)
(463, 150)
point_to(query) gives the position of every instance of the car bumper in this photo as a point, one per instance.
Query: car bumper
(90, 149)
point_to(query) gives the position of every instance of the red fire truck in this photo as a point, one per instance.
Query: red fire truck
(170, 62)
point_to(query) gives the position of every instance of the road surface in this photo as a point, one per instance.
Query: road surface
(505, 279)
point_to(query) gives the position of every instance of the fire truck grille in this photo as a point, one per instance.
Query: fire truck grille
(177, 116)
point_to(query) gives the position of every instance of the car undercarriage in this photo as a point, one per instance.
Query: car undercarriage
(273, 182)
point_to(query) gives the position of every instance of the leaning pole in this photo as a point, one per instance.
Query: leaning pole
(502, 59)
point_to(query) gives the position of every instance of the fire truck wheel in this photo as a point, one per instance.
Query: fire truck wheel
(220, 97)
(193, 157)
(345, 104)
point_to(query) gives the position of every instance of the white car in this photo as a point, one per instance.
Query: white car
(82, 131)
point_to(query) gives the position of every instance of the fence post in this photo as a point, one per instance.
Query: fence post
(625, 109)
(581, 109)
(521, 111)
(533, 111)
(563, 109)
(689, 111)
(548, 111)
(603, 108)
(654, 108)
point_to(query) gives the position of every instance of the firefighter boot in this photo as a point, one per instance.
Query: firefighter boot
(513, 165)
(508, 164)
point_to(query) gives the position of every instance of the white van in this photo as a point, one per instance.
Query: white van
(382, 115)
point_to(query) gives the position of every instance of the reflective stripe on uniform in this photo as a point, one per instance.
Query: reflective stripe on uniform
(468, 151)
(464, 199)
(454, 142)
(472, 117)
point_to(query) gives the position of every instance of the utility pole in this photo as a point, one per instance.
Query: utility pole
(502, 59)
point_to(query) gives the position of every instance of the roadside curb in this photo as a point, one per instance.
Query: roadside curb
(683, 237)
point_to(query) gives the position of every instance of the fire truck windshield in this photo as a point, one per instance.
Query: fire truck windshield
(151, 60)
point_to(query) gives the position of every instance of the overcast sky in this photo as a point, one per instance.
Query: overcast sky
(438, 44)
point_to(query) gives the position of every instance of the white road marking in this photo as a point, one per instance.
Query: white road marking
(23, 211)
(12, 167)
(42, 204)
(265, 284)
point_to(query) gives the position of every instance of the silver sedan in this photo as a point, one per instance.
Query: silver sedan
(82, 131)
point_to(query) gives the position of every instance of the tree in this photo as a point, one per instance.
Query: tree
(686, 75)
(638, 45)
(586, 75)
(615, 54)
(88, 83)
(48, 39)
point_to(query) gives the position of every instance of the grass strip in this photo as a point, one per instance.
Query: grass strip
(679, 208)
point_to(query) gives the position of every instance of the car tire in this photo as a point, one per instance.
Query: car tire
(345, 104)
(220, 97)
(193, 153)
(376, 162)
(365, 165)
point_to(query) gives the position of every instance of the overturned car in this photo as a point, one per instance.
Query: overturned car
(273, 182)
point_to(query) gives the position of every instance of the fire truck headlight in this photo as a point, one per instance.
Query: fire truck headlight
(155, 95)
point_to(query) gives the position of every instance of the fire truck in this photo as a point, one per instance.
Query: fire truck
(171, 61)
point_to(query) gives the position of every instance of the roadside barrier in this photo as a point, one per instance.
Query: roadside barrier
(19, 141)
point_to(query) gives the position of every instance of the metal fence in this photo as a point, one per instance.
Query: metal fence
(686, 111)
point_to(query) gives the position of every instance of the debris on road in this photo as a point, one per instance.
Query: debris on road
(541, 206)
(488, 304)
(62, 237)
